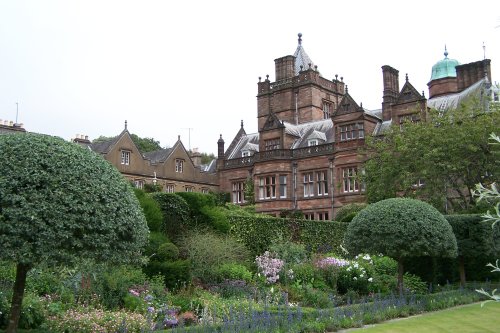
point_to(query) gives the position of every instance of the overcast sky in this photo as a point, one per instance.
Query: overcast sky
(191, 68)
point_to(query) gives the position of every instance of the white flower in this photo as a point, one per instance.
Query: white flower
(361, 275)
(355, 278)
(370, 280)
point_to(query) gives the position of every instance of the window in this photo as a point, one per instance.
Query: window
(309, 216)
(189, 189)
(245, 153)
(312, 142)
(282, 186)
(238, 192)
(205, 190)
(352, 131)
(125, 157)
(420, 183)
(267, 187)
(308, 184)
(170, 188)
(326, 110)
(179, 165)
(323, 216)
(351, 184)
(139, 184)
(272, 144)
(322, 182)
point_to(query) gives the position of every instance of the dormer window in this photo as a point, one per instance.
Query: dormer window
(352, 131)
(272, 144)
(312, 142)
(245, 153)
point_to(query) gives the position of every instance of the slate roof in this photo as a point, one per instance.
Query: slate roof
(452, 101)
(157, 155)
(103, 147)
(301, 58)
(252, 139)
(322, 129)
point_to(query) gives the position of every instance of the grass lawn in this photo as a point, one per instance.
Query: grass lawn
(468, 319)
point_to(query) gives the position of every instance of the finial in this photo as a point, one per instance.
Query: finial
(300, 38)
(445, 51)
(242, 123)
(406, 77)
(316, 68)
(301, 67)
(361, 105)
(260, 78)
(484, 51)
(346, 89)
(220, 136)
(267, 77)
(342, 78)
(309, 65)
(423, 94)
(336, 76)
(178, 138)
(125, 125)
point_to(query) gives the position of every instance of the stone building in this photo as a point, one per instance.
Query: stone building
(306, 154)
(7, 127)
(173, 169)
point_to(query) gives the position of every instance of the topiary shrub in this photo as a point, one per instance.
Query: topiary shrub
(401, 228)
(156, 239)
(151, 210)
(175, 211)
(347, 212)
(176, 273)
(168, 252)
(233, 271)
(216, 217)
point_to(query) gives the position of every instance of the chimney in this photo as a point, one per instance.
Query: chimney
(284, 67)
(220, 146)
(468, 74)
(196, 157)
(391, 90)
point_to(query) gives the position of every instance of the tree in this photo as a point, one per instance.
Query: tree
(439, 160)
(491, 195)
(207, 158)
(143, 144)
(59, 204)
(400, 228)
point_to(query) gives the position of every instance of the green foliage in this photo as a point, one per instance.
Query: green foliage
(61, 202)
(449, 152)
(290, 252)
(249, 191)
(151, 210)
(208, 251)
(233, 271)
(257, 232)
(414, 284)
(475, 237)
(175, 212)
(151, 188)
(32, 311)
(292, 213)
(401, 228)
(176, 273)
(216, 217)
(347, 212)
(156, 239)
(167, 252)
(115, 283)
(145, 144)
(197, 201)
(207, 158)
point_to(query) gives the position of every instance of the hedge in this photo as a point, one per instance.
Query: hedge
(258, 232)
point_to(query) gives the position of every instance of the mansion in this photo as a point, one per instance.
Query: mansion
(306, 154)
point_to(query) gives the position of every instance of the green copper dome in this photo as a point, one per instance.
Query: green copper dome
(444, 68)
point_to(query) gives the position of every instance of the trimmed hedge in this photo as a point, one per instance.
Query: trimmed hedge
(258, 232)
(175, 211)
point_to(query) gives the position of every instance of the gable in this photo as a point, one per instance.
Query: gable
(408, 94)
(347, 105)
(272, 122)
